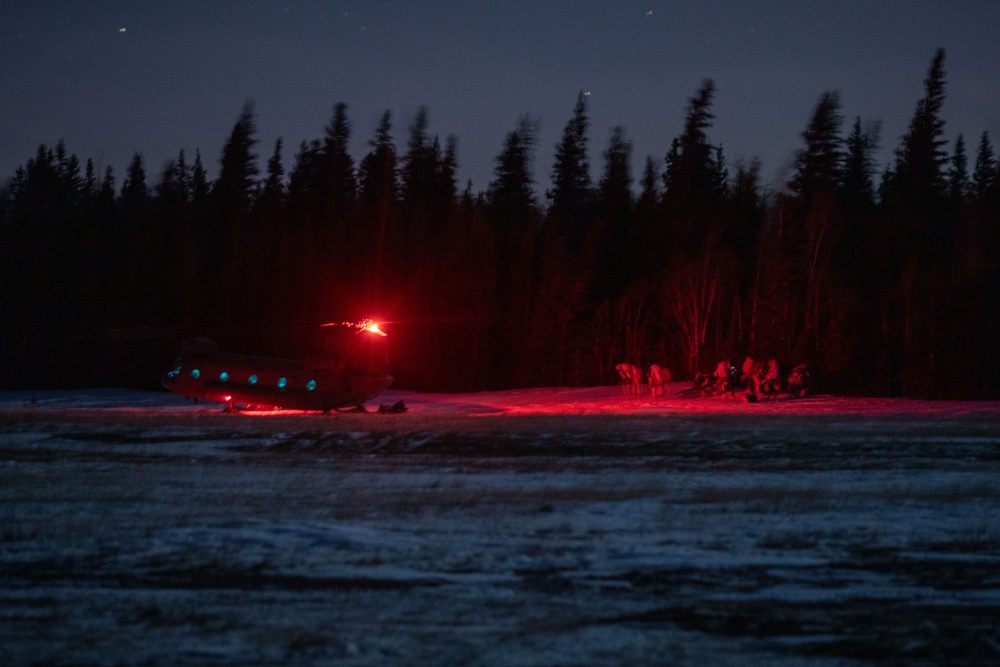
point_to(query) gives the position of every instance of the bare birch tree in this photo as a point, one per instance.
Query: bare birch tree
(690, 299)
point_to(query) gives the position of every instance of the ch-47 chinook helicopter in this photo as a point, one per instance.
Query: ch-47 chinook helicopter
(351, 370)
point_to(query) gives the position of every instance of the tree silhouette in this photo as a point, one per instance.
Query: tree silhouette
(378, 168)
(613, 209)
(570, 194)
(693, 179)
(857, 188)
(889, 292)
(958, 173)
(920, 160)
(818, 166)
(338, 186)
(379, 191)
(691, 175)
(272, 189)
(135, 196)
(419, 164)
(234, 188)
(984, 175)
(511, 194)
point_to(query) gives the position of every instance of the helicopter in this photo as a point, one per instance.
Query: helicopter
(350, 370)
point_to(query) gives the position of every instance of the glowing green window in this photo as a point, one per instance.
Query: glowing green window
(252, 379)
(224, 376)
(195, 373)
(282, 383)
(311, 385)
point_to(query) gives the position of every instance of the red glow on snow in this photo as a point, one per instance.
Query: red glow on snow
(682, 401)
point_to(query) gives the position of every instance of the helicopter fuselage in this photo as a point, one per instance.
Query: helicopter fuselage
(263, 382)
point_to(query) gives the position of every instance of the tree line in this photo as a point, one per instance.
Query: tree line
(884, 283)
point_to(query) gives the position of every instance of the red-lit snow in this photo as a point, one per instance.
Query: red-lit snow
(680, 399)
(532, 527)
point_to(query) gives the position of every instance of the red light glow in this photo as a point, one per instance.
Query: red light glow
(363, 325)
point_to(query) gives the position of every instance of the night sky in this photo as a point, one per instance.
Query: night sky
(113, 78)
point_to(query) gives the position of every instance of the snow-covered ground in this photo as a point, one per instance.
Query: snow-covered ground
(534, 527)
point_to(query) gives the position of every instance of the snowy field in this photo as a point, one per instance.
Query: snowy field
(536, 527)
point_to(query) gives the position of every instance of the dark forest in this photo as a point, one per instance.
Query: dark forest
(883, 283)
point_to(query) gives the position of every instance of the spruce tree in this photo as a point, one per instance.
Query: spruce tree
(200, 186)
(958, 173)
(920, 160)
(984, 174)
(446, 172)
(615, 187)
(917, 245)
(511, 194)
(167, 188)
(271, 201)
(818, 166)
(134, 195)
(694, 181)
(379, 192)
(70, 180)
(336, 171)
(571, 186)
(614, 211)
(812, 244)
(304, 187)
(419, 165)
(89, 182)
(646, 245)
(649, 195)
(183, 177)
(691, 176)
(234, 188)
(106, 192)
(273, 188)
(377, 172)
(718, 181)
(857, 189)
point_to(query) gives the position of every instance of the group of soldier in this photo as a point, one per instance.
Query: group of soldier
(632, 378)
(758, 380)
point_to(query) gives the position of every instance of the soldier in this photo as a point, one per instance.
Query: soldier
(625, 378)
(799, 382)
(770, 385)
(724, 378)
(636, 381)
(704, 382)
(749, 369)
(656, 381)
(630, 377)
